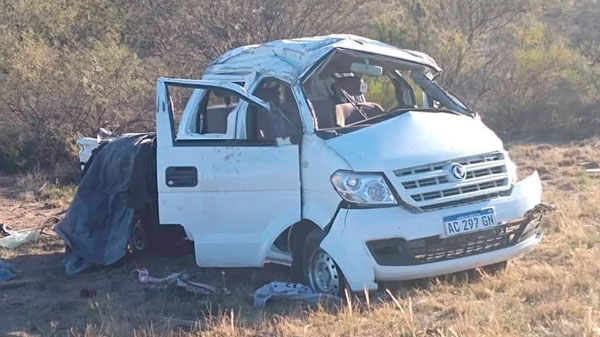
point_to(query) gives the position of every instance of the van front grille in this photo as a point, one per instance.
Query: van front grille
(399, 252)
(434, 184)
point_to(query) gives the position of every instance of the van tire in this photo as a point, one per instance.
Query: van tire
(138, 239)
(164, 240)
(169, 240)
(321, 272)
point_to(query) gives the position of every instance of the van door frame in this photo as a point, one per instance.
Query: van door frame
(224, 250)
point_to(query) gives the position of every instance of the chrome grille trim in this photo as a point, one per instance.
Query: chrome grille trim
(432, 184)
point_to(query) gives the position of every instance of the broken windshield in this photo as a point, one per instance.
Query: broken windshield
(355, 89)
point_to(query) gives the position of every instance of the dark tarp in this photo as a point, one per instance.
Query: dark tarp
(119, 180)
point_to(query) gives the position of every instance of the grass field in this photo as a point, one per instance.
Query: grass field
(553, 291)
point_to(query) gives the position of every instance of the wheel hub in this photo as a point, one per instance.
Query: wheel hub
(138, 236)
(323, 273)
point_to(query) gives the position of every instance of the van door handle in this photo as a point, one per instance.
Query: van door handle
(181, 176)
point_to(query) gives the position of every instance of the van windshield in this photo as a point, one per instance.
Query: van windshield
(352, 90)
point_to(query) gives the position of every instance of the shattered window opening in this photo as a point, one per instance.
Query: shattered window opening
(356, 89)
(203, 112)
(283, 121)
(213, 112)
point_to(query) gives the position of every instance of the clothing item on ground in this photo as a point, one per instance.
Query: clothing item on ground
(176, 279)
(292, 291)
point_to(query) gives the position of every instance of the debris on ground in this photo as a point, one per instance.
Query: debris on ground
(155, 282)
(195, 287)
(7, 271)
(12, 239)
(544, 207)
(173, 279)
(292, 291)
(589, 165)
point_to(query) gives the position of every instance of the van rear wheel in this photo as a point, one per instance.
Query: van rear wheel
(321, 273)
(138, 240)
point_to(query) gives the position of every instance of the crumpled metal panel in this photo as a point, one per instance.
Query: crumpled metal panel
(290, 59)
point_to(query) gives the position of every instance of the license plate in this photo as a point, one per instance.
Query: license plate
(469, 222)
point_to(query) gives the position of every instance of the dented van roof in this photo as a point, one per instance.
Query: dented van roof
(291, 59)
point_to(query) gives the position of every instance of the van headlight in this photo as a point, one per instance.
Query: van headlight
(362, 188)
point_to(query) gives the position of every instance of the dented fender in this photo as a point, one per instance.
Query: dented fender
(353, 228)
(320, 201)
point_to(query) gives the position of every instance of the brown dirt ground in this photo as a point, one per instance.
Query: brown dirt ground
(53, 303)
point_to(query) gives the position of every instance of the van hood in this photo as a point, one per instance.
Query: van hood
(414, 138)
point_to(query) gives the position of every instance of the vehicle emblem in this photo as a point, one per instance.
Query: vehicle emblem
(458, 171)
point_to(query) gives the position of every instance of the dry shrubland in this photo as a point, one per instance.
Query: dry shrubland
(532, 68)
(68, 68)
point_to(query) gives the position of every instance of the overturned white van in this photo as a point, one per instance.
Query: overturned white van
(339, 156)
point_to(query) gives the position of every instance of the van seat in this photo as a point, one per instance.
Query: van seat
(216, 119)
(324, 110)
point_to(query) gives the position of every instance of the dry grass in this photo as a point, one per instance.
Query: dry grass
(550, 292)
(35, 186)
(553, 291)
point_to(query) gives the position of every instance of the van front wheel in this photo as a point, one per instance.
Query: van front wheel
(321, 273)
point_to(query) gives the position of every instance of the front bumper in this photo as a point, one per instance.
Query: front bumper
(352, 229)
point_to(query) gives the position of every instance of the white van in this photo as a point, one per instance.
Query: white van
(339, 156)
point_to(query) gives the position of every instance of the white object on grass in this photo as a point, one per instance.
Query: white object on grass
(292, 291)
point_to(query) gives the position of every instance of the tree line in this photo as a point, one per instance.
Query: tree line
(67, 68)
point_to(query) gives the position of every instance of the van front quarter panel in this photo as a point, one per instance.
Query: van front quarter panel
(320, 201)
(245, 192)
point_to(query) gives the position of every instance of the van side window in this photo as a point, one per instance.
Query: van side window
(213, 111)
(203, 113)
(282, 120)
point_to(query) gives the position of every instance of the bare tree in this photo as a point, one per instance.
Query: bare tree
(188, 34)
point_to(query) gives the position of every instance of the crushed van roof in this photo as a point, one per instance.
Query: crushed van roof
(292, 58)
